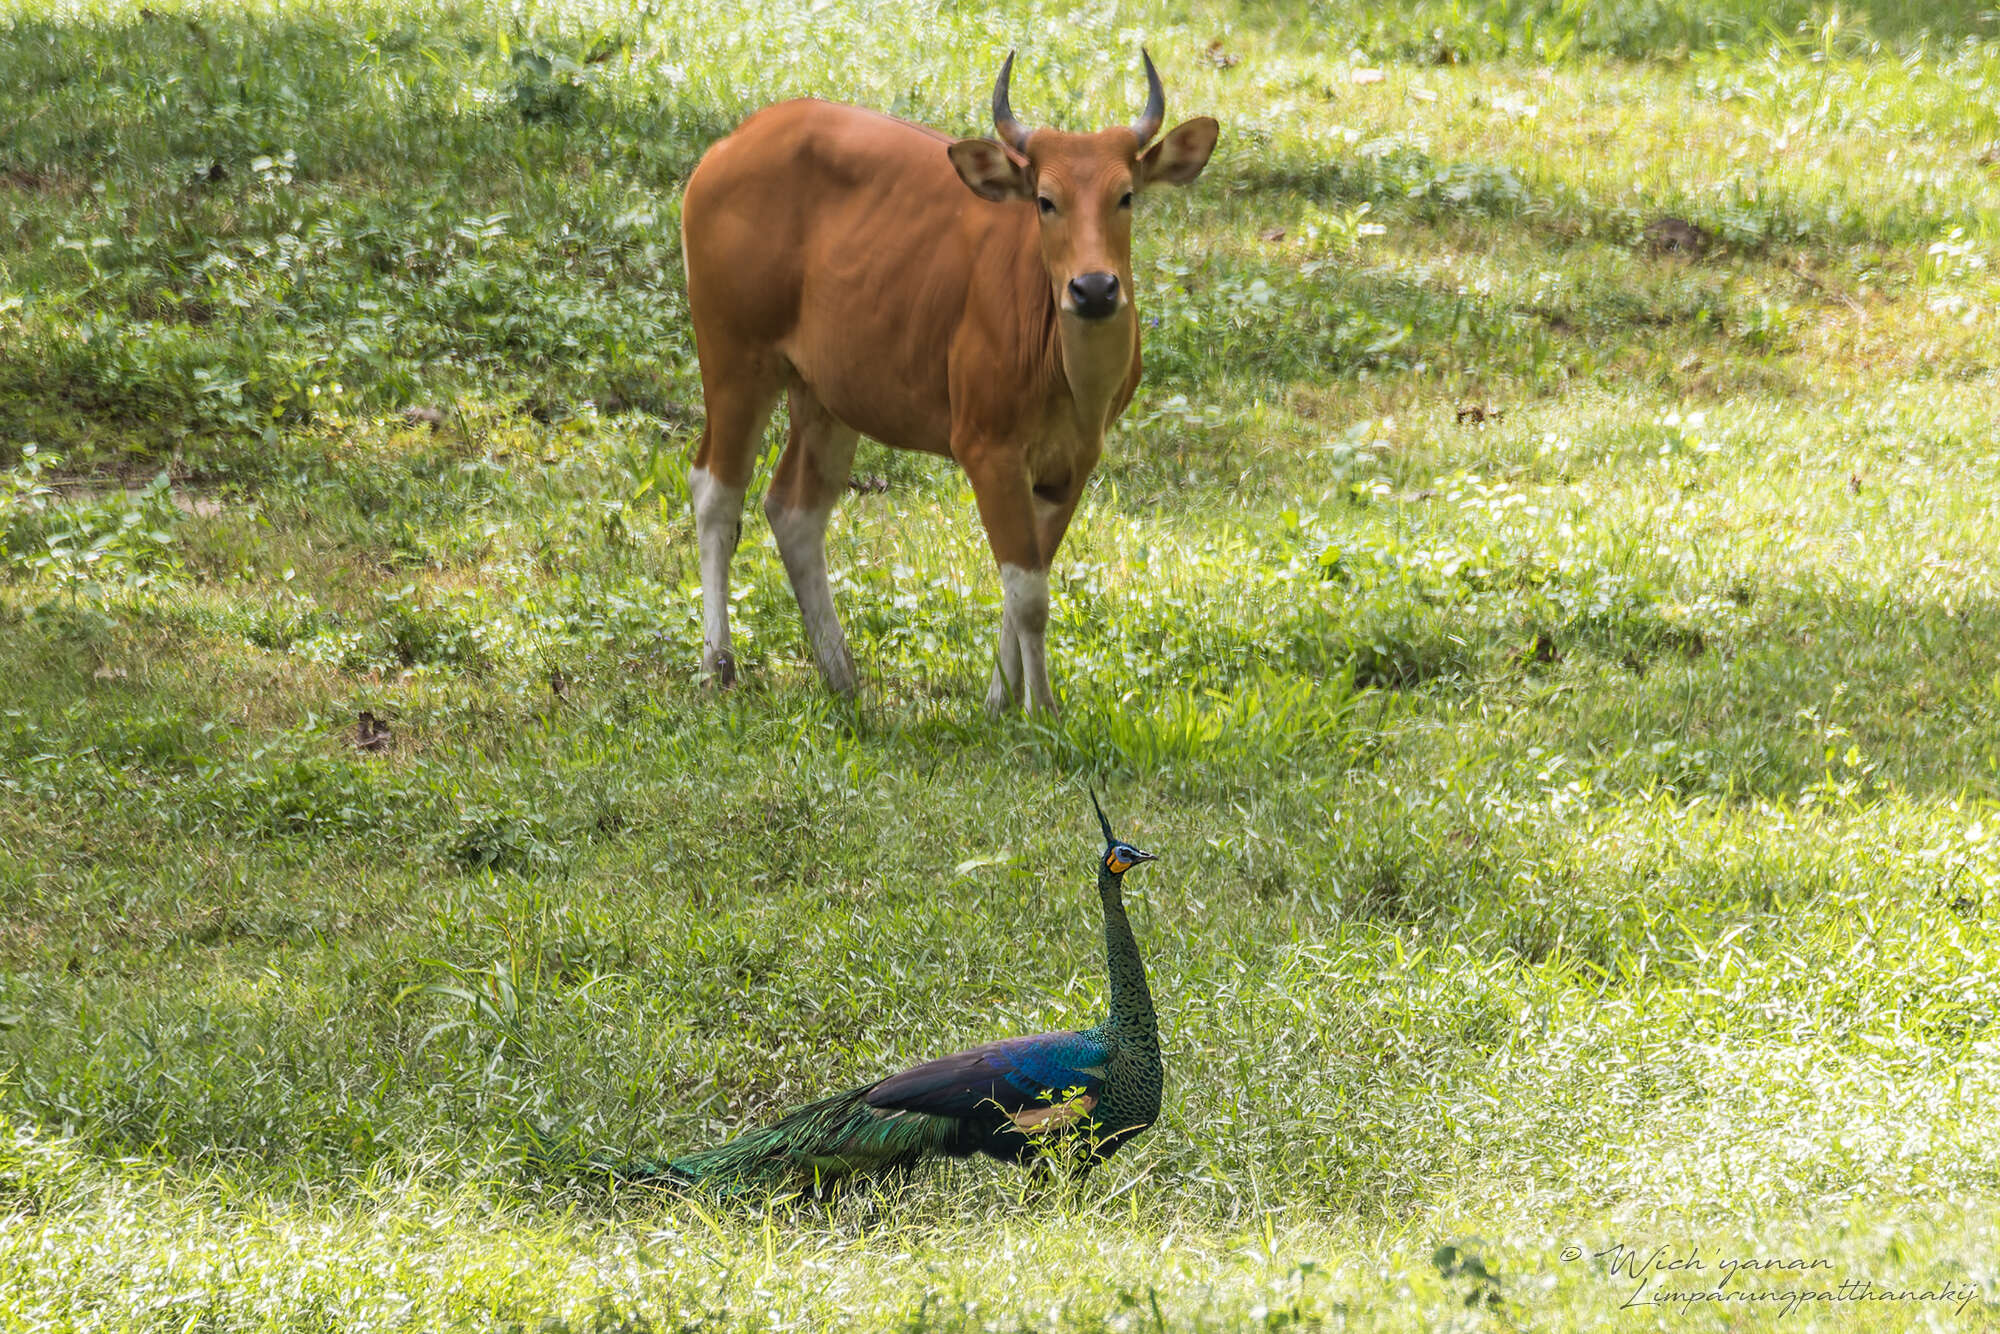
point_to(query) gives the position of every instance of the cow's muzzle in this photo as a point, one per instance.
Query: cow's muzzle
(1094, 296)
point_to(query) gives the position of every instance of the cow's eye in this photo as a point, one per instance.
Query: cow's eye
(1126, 202)
(1046, 204)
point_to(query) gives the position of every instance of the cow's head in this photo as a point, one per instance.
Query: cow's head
(1082, 186)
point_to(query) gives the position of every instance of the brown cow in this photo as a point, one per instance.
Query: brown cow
(968, 298)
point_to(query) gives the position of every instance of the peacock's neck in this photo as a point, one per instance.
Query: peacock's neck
(1132, 1018)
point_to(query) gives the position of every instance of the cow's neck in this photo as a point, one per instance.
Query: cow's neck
(1096, 361)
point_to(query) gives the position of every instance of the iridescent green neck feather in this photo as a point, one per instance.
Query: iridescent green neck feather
(1132, 1016)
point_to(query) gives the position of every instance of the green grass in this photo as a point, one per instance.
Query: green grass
(1577, 828)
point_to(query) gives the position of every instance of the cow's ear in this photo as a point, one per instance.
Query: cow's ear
(992, 171)
(1181, 153)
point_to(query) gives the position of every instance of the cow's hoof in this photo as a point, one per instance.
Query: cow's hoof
(842, 680)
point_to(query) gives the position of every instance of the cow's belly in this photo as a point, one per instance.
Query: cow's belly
(874, 386)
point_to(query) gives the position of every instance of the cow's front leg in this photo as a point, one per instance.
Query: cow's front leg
(1007, 508)
(1055, 502)
(1023, 670)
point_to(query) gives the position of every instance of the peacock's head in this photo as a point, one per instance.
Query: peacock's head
(1122, 857)
(1119, 856)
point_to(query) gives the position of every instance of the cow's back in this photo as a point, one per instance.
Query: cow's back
(843, 241)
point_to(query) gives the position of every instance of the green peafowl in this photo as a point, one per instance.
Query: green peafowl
(1080, 1094)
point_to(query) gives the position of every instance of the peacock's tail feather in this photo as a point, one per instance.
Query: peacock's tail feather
(814, 1145)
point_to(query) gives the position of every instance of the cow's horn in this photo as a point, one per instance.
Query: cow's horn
(1149, 124)
(1012, 132)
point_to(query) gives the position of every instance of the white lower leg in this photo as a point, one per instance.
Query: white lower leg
(718, 522)
(1005, 691)
(1023, 634)
(801, 536)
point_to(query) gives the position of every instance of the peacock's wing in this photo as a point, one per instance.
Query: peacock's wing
(1018, 1076)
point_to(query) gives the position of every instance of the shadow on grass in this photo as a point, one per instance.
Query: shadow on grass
(321, 211)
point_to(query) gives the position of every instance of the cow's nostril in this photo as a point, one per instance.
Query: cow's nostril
(1094, 295)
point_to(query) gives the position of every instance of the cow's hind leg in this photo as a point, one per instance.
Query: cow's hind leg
(737, 413)
(809, 480)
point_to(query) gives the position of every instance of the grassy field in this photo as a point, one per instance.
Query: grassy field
(1576, 816)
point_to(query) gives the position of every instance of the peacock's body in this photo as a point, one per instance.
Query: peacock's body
(1080, 1094)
